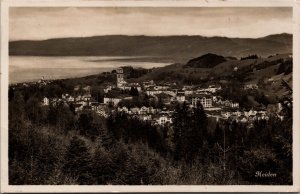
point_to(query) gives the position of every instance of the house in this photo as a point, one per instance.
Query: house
(226, 103)
(161, 87)
(87, 97)
(151, 110)
(163, 119)
(64, 96)
(123, 109)
(78, 107)
(46, 101)
(237, 113)
(108, 88)
(94, 105)
(78, 98)
(82, 102)
(169, 92)
(70, 99)
(243, 119)
(250, 86)
(180, 97)
(188, 92)
(112, 101)
(115, 96)
(232, 104)
(164, 98)
(56, 101)
(214, 98)
(148, 84)
(250, 113)
(102, 113)
(128, 86)
(213, 88)
(279, 107)
(235, 105)
(135, 110)
(151, 91)
(226, 114)
(145, 117)
(143, 110)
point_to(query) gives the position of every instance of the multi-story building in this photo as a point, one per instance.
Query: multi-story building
(205, 100)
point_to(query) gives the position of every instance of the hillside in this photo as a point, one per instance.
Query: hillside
(266, 71)
(177, 48)
(205, 61)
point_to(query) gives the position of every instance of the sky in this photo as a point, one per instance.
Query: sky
(40, 23)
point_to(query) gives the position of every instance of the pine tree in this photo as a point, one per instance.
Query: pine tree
(179, 127)
(197, 134)
(78, 161)
(103, 169)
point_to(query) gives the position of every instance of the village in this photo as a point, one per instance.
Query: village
(119, 96)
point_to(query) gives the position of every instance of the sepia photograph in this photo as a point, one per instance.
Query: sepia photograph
(126, 95)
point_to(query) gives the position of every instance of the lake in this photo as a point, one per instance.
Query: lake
(33, 68)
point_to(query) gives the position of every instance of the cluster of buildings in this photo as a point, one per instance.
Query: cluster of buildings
(167, 94)
(156, 116)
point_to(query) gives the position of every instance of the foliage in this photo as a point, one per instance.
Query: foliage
(55, 145)
(250, 57)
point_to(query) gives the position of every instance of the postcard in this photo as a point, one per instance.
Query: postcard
(150, 96)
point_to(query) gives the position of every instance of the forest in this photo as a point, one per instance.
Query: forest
(55, 145)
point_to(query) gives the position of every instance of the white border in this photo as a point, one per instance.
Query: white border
(5, 4)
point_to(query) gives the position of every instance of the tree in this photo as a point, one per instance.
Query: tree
(78, 161)
(179, 122)
(85, 125)
(197, 134)
(16, 111)
(134, 91)
(105, 135)
(103, 168)
(97, 93)
(190, 132)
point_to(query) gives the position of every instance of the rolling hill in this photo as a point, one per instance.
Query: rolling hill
(248, 70)
(205, 61)
(177, 48)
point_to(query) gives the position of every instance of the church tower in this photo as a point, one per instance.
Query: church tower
(120, 77)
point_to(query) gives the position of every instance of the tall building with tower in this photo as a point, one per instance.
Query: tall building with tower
(120, 78)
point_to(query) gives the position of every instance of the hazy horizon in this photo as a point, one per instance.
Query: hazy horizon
(41, 23)
(148, 36)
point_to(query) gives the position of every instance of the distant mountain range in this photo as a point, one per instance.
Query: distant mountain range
(179, 48)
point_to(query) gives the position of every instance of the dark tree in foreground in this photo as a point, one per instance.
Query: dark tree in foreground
(78, 161)
(190, 132)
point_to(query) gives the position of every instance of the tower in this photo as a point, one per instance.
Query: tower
(120, 77)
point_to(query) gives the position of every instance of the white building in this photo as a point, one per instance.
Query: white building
(134, 110)
(123, 109)
(46, 101)
(204, 100)
(112, 101)
(180, 97)
(213, 89)
(251, 86)
(164, 119)
(151, 92)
